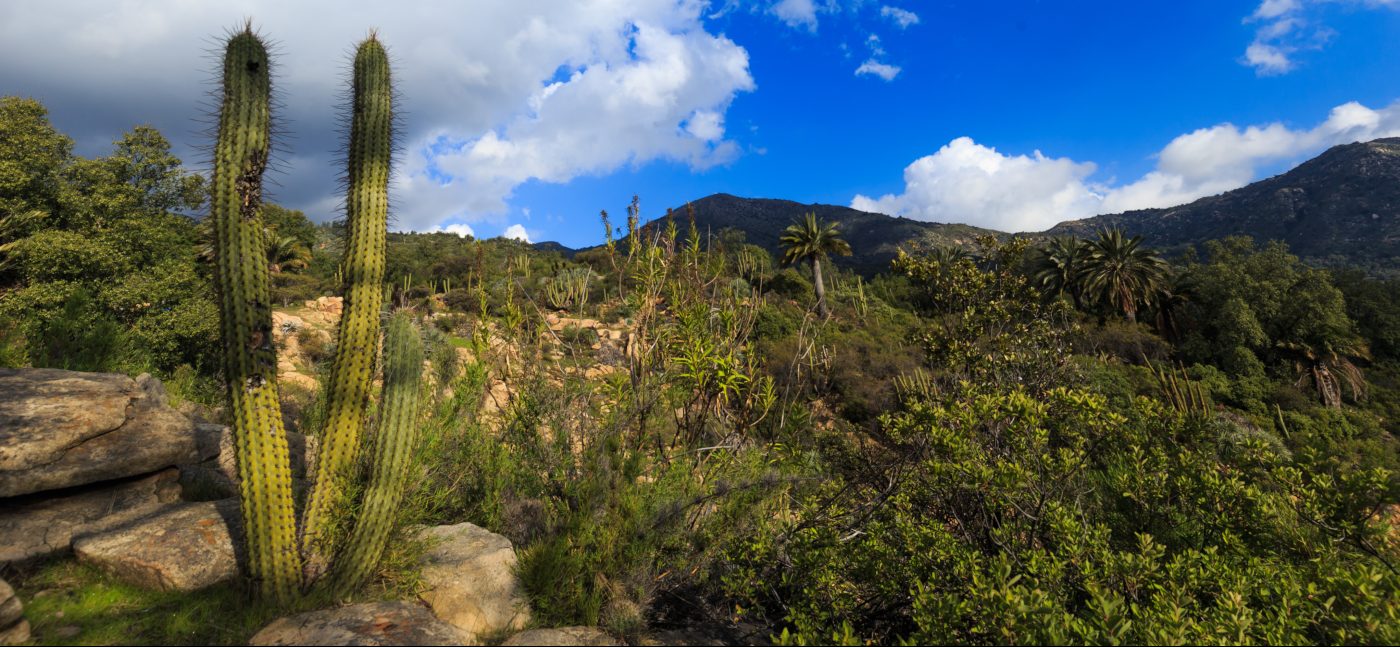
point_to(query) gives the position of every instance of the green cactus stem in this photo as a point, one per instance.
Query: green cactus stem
(394, 447)
(250, 361)
(367, 208)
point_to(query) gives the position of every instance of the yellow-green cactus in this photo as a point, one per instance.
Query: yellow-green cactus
(367, 208)
(250, 361)
(394, 447)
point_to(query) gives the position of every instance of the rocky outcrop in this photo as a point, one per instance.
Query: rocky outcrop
(183, 548)
(43, 524)
(14, 629)
(469, 581)
(379, 623)
(60, 429)
(563, 636)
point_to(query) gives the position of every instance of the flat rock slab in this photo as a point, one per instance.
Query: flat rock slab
(377, 623)
(563, 636)
(60, 429)
(184, 548)
(39, 525)
(469, 580)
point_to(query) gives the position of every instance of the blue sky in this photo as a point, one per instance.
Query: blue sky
(534, 115)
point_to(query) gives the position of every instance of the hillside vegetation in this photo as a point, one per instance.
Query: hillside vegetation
(989, 440)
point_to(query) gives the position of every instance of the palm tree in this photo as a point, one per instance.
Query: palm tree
(1328, 367)
(285, 252)
(1055, 268)
(1170, 301)
(1121, 273)
(810, 240)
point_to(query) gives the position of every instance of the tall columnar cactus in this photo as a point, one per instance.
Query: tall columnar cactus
(250, 362)
(367, 207)
(394, 444)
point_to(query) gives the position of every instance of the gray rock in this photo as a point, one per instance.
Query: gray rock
(43, 524)
(378, 623)
(186, 547)
(563, 636)
(469, 580)
(60, 429)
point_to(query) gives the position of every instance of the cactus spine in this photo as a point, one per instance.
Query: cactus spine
(394, 445)
(367, 208)
(250, 361)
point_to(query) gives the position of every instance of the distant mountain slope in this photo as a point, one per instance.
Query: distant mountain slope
(874, 237)
(1339, 208)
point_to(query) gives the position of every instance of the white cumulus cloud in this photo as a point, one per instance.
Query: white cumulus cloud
(873, 67)
(1289, 27)
(902, 17)
(495, 93)
(796, 13)
(516, 232)
(461, 229)
(967, 182)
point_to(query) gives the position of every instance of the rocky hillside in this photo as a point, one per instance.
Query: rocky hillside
(1339, 208)
(874, 237)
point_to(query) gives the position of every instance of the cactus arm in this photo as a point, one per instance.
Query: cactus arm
(367, 206)
(250, 361)
(394, 446)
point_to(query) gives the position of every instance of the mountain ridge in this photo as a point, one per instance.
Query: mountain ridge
(1340, 208)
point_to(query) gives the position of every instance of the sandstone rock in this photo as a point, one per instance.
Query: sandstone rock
(11, 609)
(378, 623)
(470, 582)
(15, 634)
(217, 477)
(562, 636)
(60, 429)
(37, 525)
(184, 548)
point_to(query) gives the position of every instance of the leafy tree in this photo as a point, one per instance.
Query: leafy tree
(810, 240)
(32, 154)
(1120, 273)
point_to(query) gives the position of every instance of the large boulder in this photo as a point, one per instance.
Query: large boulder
(184, 548)
(38, 525)
(60, 429)
(469, 580)
(562, 636)
(378, 623)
